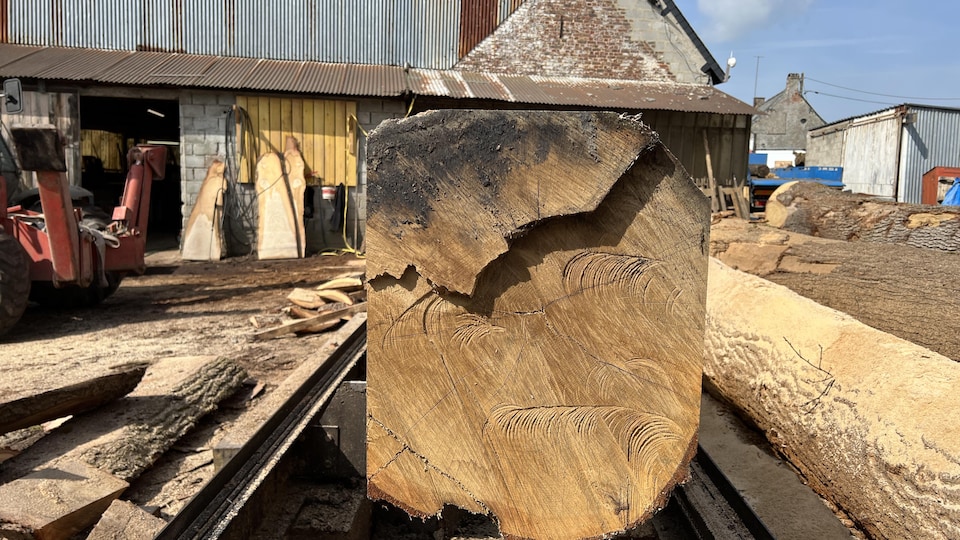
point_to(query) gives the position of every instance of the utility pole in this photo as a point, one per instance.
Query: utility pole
(756, 79)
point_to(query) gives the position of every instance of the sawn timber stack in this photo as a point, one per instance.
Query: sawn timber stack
(537, 291)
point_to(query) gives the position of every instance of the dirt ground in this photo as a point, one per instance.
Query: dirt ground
(180, 309)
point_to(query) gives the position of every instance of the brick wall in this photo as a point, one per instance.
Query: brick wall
(621, 39)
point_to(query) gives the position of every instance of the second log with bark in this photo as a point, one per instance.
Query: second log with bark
(909, 292)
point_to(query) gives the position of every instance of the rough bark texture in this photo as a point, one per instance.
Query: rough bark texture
(127, 436)
(814, 209)
(57, 402)
(909, 292)
(868, 418)
(535, 319)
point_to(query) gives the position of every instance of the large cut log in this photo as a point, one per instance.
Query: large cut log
(906, 291)
(203, 235)
(536, 317)
(280, 187)
(125, 437)
(18, 411)
(868, 418)
(814, 209)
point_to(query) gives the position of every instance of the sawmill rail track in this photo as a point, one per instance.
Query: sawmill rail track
(233, 501)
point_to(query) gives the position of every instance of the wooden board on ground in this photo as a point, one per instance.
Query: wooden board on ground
(53, 403)
(127, 521)
(535, 338)
(323, 321)
(814, 209)
(898, 289)
(203, 235)
(280, 187)
(867, 418)
(56, 502)
(125, 437)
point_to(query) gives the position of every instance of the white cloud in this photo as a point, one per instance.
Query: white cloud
(731, 19)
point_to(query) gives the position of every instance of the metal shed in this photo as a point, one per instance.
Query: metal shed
(886, 153)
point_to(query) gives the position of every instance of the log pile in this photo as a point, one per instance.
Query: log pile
(909, 292)
(321, 308)
(63, 482)
(537, 292)
(814, 209)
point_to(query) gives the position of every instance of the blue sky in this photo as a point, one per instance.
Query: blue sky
(910, 50)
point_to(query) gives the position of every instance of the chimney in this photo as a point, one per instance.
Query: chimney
(758, 101)
(795, 83)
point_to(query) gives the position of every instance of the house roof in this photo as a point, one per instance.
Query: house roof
(160, 69)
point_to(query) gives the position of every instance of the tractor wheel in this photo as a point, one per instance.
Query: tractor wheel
(72, 296)
(14, 281)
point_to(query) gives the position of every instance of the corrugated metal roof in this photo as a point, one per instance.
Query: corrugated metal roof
(229, 73)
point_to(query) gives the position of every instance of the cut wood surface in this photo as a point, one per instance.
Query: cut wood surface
(125, 437)
(814, 209)
(535, 338)
(280, 185)
(909, 292)
(53, 403)
(203, 235)
(126, 521)
(867, 418)
(57, 501)
(346, 284)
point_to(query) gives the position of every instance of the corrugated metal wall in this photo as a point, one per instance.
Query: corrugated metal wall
(931, 140)
(727, 135)
(423, 33)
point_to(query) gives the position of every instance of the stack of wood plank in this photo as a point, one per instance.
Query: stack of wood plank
(122, 420)
(846, 354)
(321, 308)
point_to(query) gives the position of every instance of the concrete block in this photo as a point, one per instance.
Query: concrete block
(208, 124)
(226, 99)
(203, 98)
(205, 148)
(191, 111)
(194, 161)
(394, 106)
(215, 110)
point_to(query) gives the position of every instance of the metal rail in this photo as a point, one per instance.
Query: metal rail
(224, 499)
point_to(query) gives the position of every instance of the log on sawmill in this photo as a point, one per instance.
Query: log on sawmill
(909, 292)
(536, 310)
(116, 443)
(814, 209)
(867, 418)
(40, 399)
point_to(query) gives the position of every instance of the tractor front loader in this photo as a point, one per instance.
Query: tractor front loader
(62, 255)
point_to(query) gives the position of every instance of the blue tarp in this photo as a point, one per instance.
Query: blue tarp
(952, 198)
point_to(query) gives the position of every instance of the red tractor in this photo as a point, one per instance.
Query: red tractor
(62, 254)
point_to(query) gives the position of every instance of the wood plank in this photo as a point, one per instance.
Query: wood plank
(315, 324)
(286, 120)
(73, 398)
(546, 299)
(352, 146)
(263, 126)
(897, 289)
(276, 125)
(329, 144)
(340, 141)
(297, 184)
(56, 502)
(128, 521)
(277, 223)
(203, 235)
(867, 418)
(309, 142)
(812, 208)
(319, 127)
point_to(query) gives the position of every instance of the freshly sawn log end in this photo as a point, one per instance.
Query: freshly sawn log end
(536, 319)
